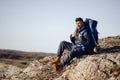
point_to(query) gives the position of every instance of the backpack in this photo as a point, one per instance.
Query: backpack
(92, 24)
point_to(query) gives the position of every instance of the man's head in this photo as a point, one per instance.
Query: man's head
(79, 22)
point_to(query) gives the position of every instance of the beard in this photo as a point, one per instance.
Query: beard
(78, 27)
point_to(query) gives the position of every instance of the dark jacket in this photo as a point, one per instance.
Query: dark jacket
(86, 39)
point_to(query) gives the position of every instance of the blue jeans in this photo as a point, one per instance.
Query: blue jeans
(74, 51)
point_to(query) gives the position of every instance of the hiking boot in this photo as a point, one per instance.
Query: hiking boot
(96, 49)
(55, 60)
(56, 66)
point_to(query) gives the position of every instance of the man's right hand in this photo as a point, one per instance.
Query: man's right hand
(74, 34)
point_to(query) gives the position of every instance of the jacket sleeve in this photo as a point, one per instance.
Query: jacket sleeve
(72, 39)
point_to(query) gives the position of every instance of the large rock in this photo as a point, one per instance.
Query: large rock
(96, 67)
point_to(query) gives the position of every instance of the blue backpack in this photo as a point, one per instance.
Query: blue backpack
(92, 24)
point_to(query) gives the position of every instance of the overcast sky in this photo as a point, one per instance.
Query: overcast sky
(40, 25)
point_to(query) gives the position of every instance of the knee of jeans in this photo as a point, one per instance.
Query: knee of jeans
(62, 42)
(72, 54)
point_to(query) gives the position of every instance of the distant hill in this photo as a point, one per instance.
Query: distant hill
(20, 58)
(14, 54)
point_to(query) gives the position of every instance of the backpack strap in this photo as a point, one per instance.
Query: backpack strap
(82, 32)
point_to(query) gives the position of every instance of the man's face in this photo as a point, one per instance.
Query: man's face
(79, 24)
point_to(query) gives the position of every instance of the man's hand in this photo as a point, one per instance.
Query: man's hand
(76, 34)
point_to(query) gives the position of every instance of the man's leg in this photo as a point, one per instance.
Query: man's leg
(63, 45)
(76, 52)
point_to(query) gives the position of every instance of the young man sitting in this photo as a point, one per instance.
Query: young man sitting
(81, 44)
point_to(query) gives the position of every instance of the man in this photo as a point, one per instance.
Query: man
(82, 43)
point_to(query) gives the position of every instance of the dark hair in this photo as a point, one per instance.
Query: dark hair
(79, 19)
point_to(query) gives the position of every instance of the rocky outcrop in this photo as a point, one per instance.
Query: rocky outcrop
(96, 67)
(37, 70)
(102, 66)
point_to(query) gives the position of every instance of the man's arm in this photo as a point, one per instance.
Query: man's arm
(72, 37)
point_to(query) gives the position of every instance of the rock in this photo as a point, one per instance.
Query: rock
(7, 71)
(37, 70)
(93, 68)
